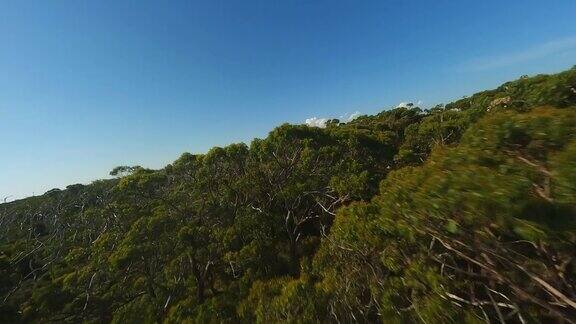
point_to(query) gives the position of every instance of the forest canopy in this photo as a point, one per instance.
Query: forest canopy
(465, 212)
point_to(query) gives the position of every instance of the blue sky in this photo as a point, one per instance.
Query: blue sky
(88, 85)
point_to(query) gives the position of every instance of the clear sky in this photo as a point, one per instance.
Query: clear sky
(89, 85)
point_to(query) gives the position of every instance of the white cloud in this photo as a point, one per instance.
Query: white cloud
(353, 116)
(347, 117)
(404, 105)
(409, 104)
(316, 122)
(544, 50)
(321, 122)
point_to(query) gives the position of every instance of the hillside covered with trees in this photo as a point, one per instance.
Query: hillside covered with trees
(462, 213)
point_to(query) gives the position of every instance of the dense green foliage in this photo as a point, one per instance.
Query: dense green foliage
(461, 213)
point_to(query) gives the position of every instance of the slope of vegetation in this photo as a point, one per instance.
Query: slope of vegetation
(461, 213)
